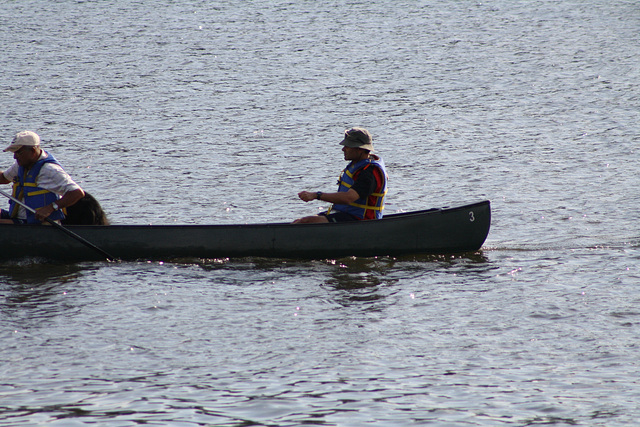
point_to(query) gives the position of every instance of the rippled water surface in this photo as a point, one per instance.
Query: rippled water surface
(220, 112)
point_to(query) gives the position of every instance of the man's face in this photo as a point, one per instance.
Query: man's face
(351, 153)
(26, 156)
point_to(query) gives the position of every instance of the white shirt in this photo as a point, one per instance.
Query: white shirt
(51, 177)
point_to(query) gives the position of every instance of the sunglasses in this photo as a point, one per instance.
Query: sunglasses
(23, 149)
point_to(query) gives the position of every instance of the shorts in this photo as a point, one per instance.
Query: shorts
(339, 216)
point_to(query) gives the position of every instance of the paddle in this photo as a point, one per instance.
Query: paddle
(60, 227)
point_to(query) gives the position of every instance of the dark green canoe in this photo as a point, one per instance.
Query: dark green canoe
(432, 231)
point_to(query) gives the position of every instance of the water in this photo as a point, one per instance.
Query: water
(220, 112)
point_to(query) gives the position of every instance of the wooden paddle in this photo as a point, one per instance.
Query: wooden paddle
(61, 228)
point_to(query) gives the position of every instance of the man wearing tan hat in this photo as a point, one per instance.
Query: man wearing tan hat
(361, 188)
(39, 181)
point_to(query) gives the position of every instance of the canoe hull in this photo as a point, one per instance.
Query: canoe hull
(434, 231)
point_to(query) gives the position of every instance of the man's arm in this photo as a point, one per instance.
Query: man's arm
(364, 185)
(3, 179)
(341, 198)
(69, 198)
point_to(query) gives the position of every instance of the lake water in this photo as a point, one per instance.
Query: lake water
(204, 112)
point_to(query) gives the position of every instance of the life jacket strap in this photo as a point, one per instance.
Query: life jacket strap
(37, 193)
(372, 208)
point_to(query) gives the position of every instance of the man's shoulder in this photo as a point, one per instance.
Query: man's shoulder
(11, 172)
(54, 178)
(51, 167)
(48, 158)
(52, 172)
(365, 173)
(374, 163)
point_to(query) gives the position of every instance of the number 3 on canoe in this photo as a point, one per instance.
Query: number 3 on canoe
(471, 217)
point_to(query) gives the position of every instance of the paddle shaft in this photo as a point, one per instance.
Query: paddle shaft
(62, 228)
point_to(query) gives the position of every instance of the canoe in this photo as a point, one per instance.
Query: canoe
(434, 231)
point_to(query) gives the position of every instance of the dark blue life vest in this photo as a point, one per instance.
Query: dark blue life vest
(369, 207)
(25, 187)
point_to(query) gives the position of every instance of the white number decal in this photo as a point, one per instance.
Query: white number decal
(471, 217)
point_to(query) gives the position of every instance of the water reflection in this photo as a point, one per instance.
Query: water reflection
(367, 280)
(33, 290)
(360, 281)
(33, 272)
(477, 257)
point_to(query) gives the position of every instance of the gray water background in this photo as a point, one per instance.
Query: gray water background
(205, 112)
